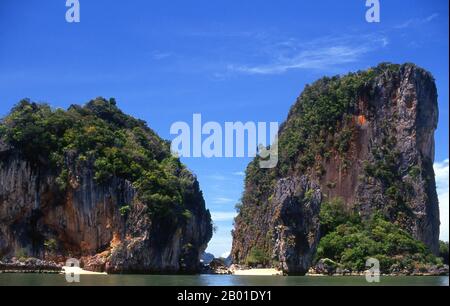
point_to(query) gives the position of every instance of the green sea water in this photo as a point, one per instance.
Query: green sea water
(214, 280)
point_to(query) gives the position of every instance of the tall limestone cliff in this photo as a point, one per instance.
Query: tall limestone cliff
(95, 184)
(367, 139)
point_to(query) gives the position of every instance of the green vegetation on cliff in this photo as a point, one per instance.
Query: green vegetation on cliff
(444, 251)
(350, 242)
(320, 112)
(316, 127)
(257, 257)
(101, 137)
(344, 137)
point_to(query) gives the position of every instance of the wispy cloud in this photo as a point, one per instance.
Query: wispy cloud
(417, 21)
(226, 254)
(319, 54)
(158, 55)
(431, 17)
(220, 216)
(223, 200)
(441, 170)
(217, 177)
(239, 173)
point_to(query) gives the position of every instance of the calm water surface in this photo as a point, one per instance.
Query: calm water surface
(213, 280)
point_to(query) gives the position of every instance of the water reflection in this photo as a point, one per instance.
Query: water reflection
(212, 280)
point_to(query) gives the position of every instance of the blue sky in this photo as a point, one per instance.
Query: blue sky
(228, 60)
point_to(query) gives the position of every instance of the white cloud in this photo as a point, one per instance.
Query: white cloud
(223, 200)
(318, 54)
(441, 170)
(417, 21)
(219, 216)
(240, 173)
(306, 60)
(217, 177)
(157, 55)
(431, 17)
(226, 254)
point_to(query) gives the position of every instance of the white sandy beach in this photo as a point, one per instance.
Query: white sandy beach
(258, 272)
(79, 271)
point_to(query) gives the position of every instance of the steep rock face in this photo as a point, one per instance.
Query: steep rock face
(367, 138)
(87, 219)
(162, 245)
(296, 207)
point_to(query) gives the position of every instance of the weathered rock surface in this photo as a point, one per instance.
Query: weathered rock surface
(390, 125)
(85, 220)
(29, 265)
(295, 223)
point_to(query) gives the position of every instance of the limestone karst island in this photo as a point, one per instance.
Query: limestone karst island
(355, 180)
